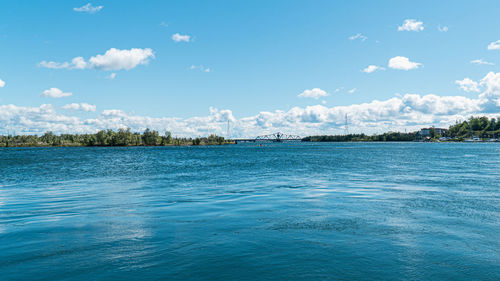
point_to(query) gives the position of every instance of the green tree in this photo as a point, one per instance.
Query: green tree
(151, 137)
(168, 137)
(432, 132)
(196, 141)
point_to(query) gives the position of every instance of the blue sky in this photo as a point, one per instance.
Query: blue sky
(247, 60)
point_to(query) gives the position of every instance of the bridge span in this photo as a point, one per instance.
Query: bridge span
(276, 137)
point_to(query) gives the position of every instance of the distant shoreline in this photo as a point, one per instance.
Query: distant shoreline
(475, 130)
(230, 143)
(108, 146)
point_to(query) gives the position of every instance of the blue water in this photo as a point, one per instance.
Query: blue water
(348, 211)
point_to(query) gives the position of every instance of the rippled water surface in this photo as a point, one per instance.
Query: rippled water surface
(395, 211)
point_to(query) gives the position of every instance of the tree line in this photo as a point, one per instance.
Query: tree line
(122, 137)
(390, 136)
(482, 127)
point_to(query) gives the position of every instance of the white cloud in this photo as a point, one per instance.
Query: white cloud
(71, 106)
(490, 97)
(113, 59)
(2, 83)
(164, 24)
(492, 92)
(372, 68)
(55, 93)
(112, 76)
(88, 8)
(411, 111)
(494, 45)
(408, 111)
(53, 64)
(76, 63)
(200, 68)
(80, 106)
(358, 36)
(37, 120)
(411, 25)
(492, 83)
(468, 85)
(443, 28)
(181, 38)
(314, 93)
(481, 61)
(352, 91)
(403, 63)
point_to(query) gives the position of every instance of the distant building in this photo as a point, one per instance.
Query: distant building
(425, 132)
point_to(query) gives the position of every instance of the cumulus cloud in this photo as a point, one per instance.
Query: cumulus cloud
(40, 119)
(372, 68)
(71, 106)
(80, 106)
(358, 36)
(352, 91)
(53, 64)
(411, 25)
(2, 83)
(76, 63)
(481, 61)
(492, 92)
(88, 8)
(113, 59)
(468, 85)
(408, 111)
(443, 28)
(314, 93)
(490, 97)
(112, 76)
(215, 122)
(55, 93)
(181, 38)
(403, 63)
(494, 45)
(200, 68)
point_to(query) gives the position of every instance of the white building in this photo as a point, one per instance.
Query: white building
(425, 132)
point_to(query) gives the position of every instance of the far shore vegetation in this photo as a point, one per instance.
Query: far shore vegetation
(479, 128)
(121, 137)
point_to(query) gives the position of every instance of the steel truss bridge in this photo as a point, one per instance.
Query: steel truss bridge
(276, 137)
